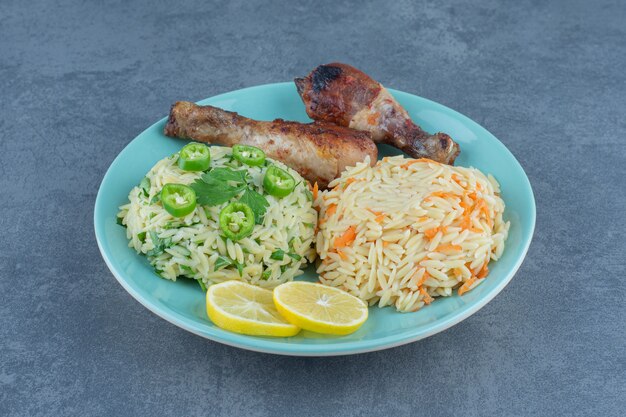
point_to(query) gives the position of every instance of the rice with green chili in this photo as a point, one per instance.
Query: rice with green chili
(194, 246)
(405, 231)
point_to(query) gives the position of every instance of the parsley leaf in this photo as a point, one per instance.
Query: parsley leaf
(222, 261)
(257, 203)
(278, 255)
(225, 174)
(309, 194)
(239, 268)
(212, 192)
(159, 244)
(202, 285)
(309, 225)
(266, 274)
(119, 220)
(295, 256)
(145, 186)
(213, 187)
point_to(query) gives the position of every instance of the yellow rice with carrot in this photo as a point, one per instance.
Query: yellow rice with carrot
(408, 230)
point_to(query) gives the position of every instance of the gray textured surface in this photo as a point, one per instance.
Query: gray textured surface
(79, 81)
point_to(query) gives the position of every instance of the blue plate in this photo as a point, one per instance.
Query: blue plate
(182, 302)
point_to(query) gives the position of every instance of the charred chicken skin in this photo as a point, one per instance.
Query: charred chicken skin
(343, 95)
(318, 151)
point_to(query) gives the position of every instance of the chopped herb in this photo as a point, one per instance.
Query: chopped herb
(145, 186)
(187, 269)
(156, 199)
(266, 274)
(309, 225)
(142, 237)
(172, 225)
(202, 285)
(294, 256)
(222, 261)
(256, 202)
(283, 268)
(159, 244)
(120, 221)
(278, 255)
(309, 194)
(239, 268)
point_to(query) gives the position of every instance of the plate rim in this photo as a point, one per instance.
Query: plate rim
(322, 349)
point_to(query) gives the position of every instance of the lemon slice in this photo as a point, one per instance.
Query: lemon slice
(319, 308)
(246, 309)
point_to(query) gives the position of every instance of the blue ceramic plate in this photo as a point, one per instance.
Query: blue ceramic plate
(182, 302)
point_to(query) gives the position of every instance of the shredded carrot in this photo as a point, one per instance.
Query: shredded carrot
(466, 285)
(431, 233)
(482, 208)
(385, 244)
(466, 222)
(475, 230)
(348, 182)
(442, 195)
(456, 178)
(449, 248)
(342, 255)
(414, 161)
(346, 239)
(423, 279)
(331, 210)
(457, 272)
(484, 271)
(422, 219)
(315, 190)
(479, 187)
(427, 298)
(380, 216)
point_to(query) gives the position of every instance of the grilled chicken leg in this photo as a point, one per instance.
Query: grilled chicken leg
(318, 151)
(343, 95)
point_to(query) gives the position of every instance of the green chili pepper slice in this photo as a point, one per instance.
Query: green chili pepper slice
(278, 182)
(249, 155)
(237, 221)
(178, 200)
(194, 157)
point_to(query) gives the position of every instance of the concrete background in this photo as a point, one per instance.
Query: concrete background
(78, 81)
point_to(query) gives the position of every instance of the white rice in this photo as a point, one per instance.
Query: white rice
(421, 230)
(196, 242)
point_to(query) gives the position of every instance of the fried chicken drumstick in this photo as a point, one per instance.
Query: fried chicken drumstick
(343, 95)
(318, 151)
